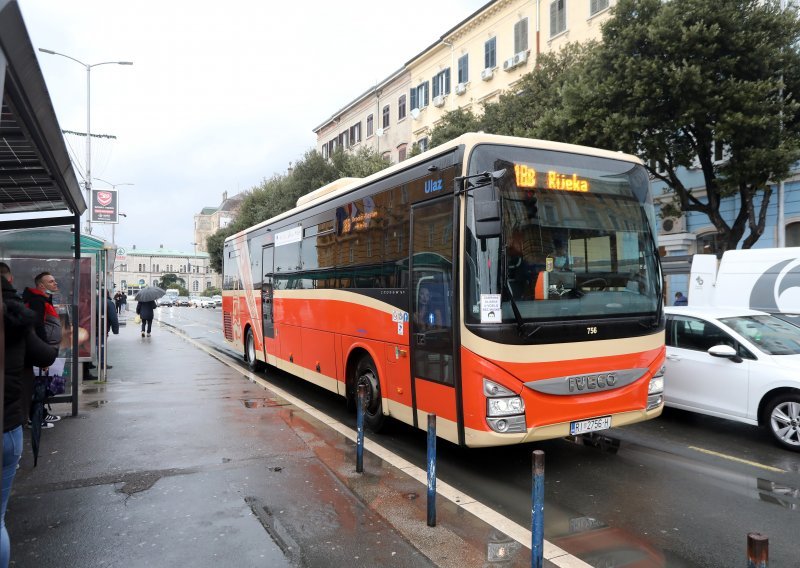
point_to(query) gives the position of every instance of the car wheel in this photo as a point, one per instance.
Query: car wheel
(367, 374)
(783, 419)
(250, 352)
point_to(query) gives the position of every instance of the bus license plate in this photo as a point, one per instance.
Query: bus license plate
(591, 425)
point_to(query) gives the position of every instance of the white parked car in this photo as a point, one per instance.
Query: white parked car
(733, 363)
(203, 302)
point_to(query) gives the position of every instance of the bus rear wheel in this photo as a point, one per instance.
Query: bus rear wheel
(367, 374)
(250, 352)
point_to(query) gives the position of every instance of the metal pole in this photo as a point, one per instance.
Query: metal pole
(88, 149)
(362, 403)
(781, 190)
(537, 511)
(431, 470)
(757, 550)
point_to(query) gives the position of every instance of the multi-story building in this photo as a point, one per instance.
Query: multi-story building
(139, 268)
(212, 219)
(470, 64)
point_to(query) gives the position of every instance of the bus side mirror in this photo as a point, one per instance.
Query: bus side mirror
(487, 213)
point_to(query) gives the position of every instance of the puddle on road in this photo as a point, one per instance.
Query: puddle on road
(263, 402)
(93, 390)
(97, 403)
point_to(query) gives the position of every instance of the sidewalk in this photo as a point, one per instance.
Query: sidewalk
(180, 459)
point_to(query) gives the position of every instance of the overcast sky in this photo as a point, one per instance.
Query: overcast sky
(221, 95)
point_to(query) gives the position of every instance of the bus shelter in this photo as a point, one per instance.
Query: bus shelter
(38, 186)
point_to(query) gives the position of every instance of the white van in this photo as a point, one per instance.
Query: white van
(759, 279)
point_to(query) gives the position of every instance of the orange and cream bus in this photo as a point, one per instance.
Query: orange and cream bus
(510, 286)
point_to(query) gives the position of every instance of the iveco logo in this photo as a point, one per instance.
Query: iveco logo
(592, 382)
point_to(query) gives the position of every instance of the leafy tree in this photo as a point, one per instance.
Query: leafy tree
(453, 124)
(170, 280)
(531, 109)
(674, 81)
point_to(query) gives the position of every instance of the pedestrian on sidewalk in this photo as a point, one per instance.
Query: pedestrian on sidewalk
(21, 343)
(48, 328)
(146, 311)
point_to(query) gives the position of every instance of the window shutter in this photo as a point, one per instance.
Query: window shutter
(426, 93)
(447, 81)
(413, 99)
(554, 18)
(436, 83)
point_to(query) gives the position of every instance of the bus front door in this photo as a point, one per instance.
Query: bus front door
(268, 323)
(431, 320)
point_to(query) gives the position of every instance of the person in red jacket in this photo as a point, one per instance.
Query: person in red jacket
(48, 324)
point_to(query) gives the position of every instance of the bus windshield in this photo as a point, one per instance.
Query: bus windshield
(575, 239)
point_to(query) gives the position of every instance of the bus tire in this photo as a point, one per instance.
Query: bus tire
(250, 352)
(367, 374)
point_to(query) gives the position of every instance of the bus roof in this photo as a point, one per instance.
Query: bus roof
(343, 186)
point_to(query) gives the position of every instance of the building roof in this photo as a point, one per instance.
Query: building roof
(165, 252)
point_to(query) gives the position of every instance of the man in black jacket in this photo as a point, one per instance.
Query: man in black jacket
(21, 345)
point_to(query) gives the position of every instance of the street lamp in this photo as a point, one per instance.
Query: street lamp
(113, 226)
(88, 178)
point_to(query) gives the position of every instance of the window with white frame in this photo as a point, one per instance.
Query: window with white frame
(558, 17)
(385, 122)
(401, 107)
(419, 95)
(195, 286)
(463, 68)
(490, 53)
(596, 6)
(355, 133)
(370, 125)
(521, 35)
(441, 83)
(793, 234)
(422, 143)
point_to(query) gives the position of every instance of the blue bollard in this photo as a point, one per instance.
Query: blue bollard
(537, 511)
(362, 403)
(431, 470)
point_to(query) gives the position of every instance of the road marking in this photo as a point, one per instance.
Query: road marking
(740, 460)
(551, 552)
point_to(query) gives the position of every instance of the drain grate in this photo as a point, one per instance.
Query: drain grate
(263, 402)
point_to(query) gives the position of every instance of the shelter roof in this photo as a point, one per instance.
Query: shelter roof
(36, 173)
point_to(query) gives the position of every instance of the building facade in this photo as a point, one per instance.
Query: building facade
(139, 268)
(212, 219)
(473, 63)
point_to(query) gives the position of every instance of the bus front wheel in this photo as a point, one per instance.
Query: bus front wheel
(367, 374)
(250, 352)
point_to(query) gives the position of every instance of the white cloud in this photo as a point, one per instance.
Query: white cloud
(221, 94)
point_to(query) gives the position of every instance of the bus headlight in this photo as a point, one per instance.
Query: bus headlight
(505, 411)
(655, 390)
(505, 406)
(657, 382)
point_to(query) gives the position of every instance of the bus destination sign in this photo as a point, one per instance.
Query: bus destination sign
(528, 177)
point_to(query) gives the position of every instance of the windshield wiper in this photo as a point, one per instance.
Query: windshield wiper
(521, 325)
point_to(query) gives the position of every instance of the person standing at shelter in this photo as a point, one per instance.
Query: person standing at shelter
(146, 311)
(680, 299)
(21, 344)
(48, 322)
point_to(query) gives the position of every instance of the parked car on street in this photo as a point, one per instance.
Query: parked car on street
(739, 364)
(182, 301)
(217, 300)
(165, 301)
(203, 302)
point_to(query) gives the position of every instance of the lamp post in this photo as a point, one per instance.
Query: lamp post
(88, 178)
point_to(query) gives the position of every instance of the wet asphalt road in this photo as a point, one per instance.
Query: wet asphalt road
(680, 491)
